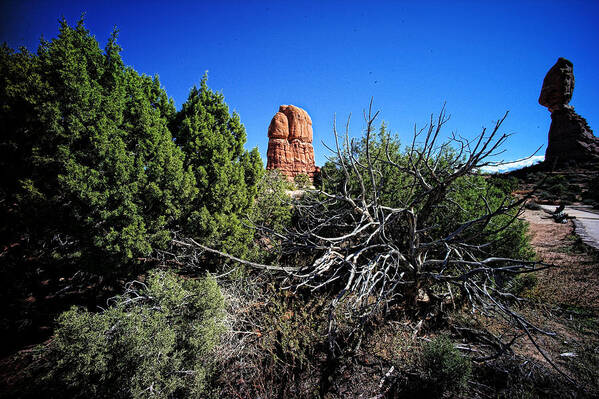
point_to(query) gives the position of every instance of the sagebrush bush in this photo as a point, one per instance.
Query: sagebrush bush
(444, 368)
(153, 341)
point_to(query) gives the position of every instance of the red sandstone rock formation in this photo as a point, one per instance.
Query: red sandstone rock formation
(571, 139)
(558, 85)
(290, 143)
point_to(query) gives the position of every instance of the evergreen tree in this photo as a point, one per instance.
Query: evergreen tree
(226, 174)
(89, 153)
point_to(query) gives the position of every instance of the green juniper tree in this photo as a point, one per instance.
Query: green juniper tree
(226, 174)
(87, 153)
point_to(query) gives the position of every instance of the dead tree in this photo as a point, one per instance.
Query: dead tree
(371, 254)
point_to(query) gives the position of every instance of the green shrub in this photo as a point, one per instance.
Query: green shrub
(557, 189)
(153, 341)
(444, 367)
(294, 330)
(301, 181)
(97, 154)
(507, 184)
(466, 199)
(523, 283)
(272, 206)
(555, 179)
(556, 185)
(284, 358)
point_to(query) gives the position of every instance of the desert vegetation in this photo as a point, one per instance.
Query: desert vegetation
(147, 253)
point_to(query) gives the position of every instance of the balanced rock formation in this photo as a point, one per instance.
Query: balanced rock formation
(290, 143)
(558, 85)
(571, 140)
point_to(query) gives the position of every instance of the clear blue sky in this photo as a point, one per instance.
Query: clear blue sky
(482, 58)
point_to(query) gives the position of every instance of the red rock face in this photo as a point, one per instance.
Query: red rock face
(290, 143)
(571, 140)
(558, 85)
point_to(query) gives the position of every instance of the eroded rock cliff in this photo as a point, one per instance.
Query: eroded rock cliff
(571, 140)
(290, 143)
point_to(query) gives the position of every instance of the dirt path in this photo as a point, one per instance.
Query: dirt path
(586, 222)
(575, 282)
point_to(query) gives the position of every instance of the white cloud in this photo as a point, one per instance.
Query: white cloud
(506, 167)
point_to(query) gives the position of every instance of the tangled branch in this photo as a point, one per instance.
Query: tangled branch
(371, 251)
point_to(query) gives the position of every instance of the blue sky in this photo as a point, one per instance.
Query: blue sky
(481, 58)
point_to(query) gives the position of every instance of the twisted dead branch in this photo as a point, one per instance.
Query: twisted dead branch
(371, 253)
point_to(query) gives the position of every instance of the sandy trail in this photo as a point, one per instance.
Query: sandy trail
(586, 222)
(576, 279)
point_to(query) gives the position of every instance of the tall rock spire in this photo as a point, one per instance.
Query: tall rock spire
(290, 143)
(571, 140)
